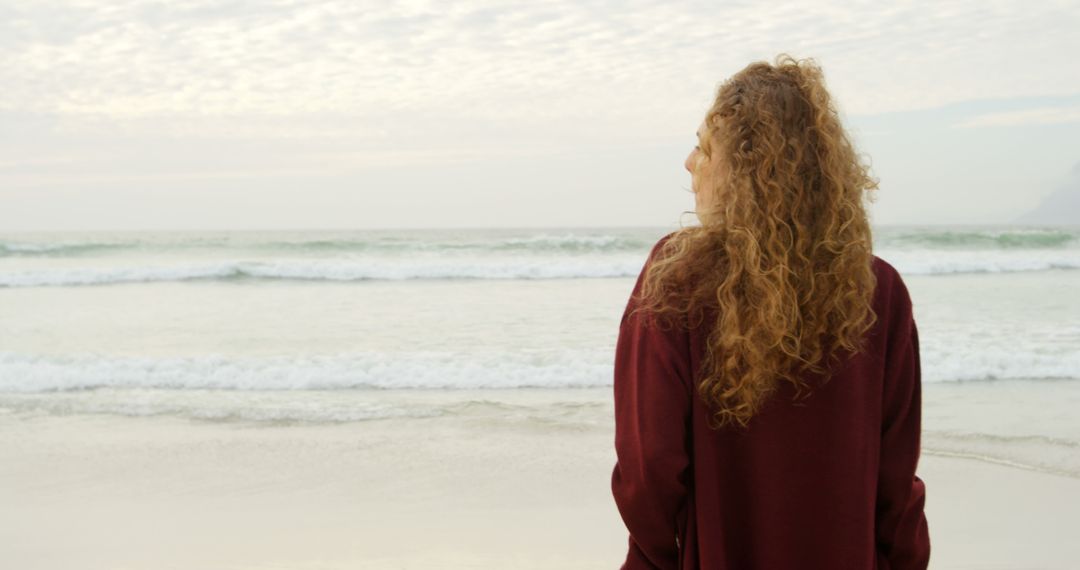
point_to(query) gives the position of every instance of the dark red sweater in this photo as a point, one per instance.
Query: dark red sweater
(826, 483)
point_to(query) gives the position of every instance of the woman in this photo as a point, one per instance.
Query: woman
(767, 380)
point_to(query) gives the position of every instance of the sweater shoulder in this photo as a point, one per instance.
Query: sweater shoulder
(660, 243)
(889, 280)
(892, 300)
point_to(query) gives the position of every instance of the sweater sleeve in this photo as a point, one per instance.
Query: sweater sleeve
(903, 541)
(652, 410)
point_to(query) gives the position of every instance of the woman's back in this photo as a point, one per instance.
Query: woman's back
(824, 482)
(776, 291)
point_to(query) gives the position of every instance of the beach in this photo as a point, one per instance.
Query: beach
(331, 285)
(442, 399)
(488, 489)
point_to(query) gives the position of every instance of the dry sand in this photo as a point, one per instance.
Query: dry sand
(97, 492)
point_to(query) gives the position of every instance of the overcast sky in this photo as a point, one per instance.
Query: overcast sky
(344, 114)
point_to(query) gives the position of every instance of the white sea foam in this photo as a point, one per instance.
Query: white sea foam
(500, 266)
(554, 368)
(948, 262)
(55, 246)
(216, 406)
(376, 269)
(1036, 452)
(562, 407)
(106, 258)
(359, 370)
(963, 361)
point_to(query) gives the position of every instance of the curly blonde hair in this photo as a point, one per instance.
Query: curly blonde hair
(782, 264)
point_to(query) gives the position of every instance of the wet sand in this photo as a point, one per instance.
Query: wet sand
(97, 492)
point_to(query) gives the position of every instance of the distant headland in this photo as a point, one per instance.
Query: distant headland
(1062, 207)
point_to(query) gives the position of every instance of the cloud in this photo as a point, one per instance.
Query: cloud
(472, 103)
(633, 66)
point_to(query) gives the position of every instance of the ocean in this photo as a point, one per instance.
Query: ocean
(294, 328)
